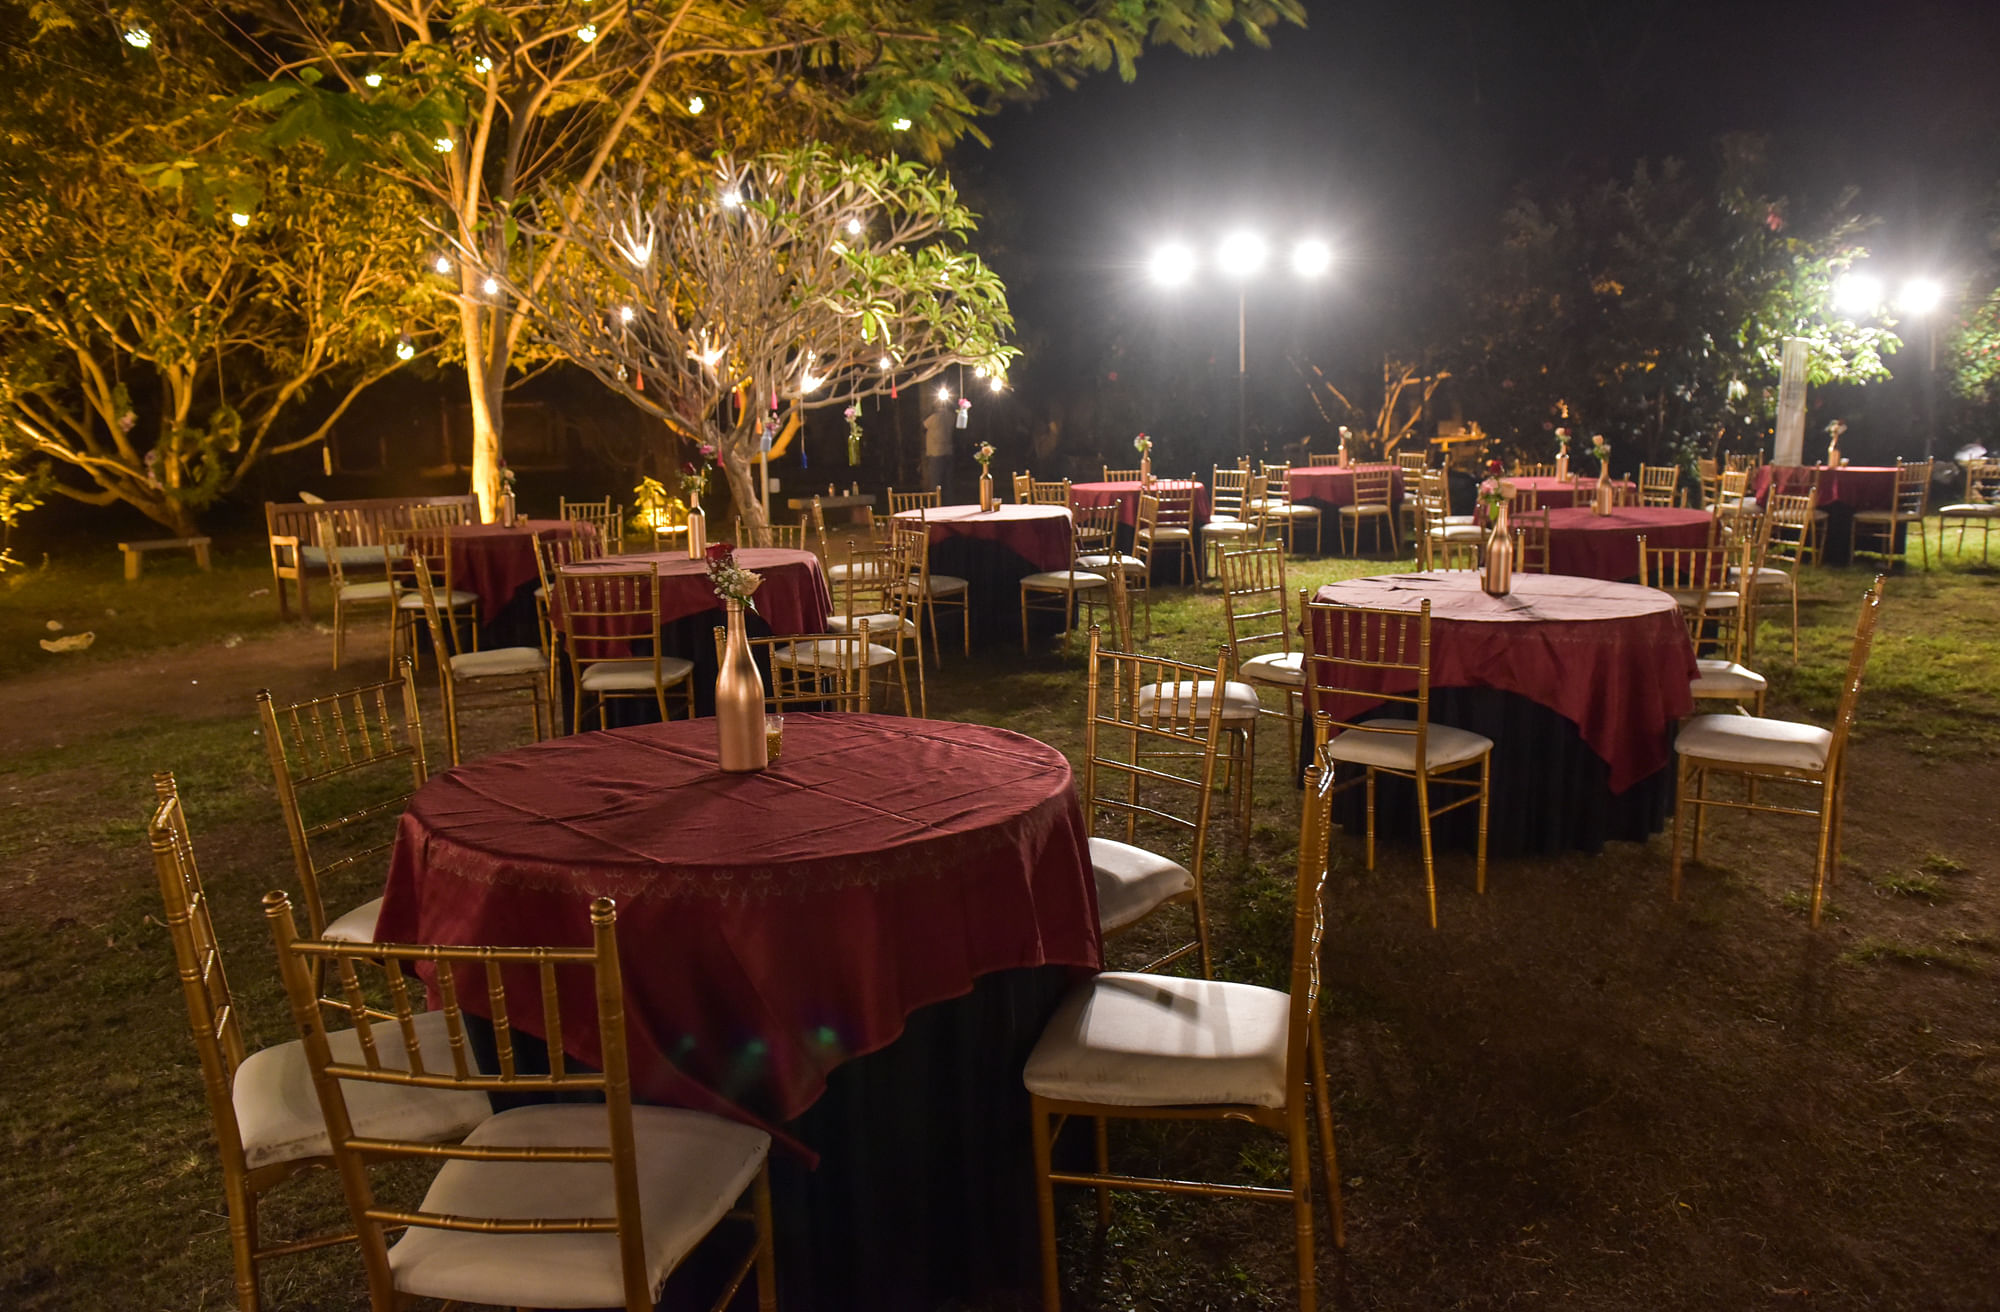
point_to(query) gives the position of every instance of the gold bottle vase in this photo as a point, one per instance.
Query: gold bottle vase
(508, 515)
(1496, 579)
(739, 702)
(1600, 500)
(697, 528)
(1146, 471)
(987, 505)
(1562, 466)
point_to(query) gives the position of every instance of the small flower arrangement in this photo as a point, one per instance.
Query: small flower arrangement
(694, 473)
(983, 453)
(1836, 428)
(852, 414)
(1601, 449)
(1562, 441)
(731, 581)
(1496, 491)
(506, 477)
(1143, 445)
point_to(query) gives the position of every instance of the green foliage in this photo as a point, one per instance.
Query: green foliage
(1972, 352)
(1655, 310)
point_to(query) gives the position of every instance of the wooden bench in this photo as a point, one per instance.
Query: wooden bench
(135, 552)
(295, 551)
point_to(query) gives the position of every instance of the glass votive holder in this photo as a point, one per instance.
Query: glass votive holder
(774, 736)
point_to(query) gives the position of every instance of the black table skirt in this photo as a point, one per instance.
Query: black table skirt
(1550, 791)
(923, 1196)
(691, 638)
(993, 574)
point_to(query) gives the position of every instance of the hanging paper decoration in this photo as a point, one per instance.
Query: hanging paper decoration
(766, 435)
(853, 415)
(964, 412)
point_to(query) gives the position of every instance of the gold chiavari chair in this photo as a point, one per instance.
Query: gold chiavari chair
(1522, 469)
(1024, 488)
(562, 1203)
(1234, 520)
(1158, 1047)
(1123, 475)
(1881, 527)
(1742, 460)
(1091, 532)
(1659, 485)
(1146, 542)
(1096, 529)
(1054, 493)
(789, 537)
(1285, 513)
(934, 591)
(1981, 506)
(606, 518)
(497, 672)
(1322, 459)
(356, 757)
(1781, 547)
(1453, 554)
(605, 615)
(267, 1127)
(1256, 610)
(1373, 488)
(901, 501)
(1354, 649)
(432, 546)
(440, 517)
(1531, 542)
(1140, 764)
(878, 588)
(338, 533)
(1442, 529)
(1758, 750)
(1411, 466)
(1698, 579)
(1174, 527)
(551, 554)
(815, 671)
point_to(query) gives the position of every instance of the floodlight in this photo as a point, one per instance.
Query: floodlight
(1920, 296)
(1311, 258)
(1241, 254)
(1857, 293)
(1171, 265)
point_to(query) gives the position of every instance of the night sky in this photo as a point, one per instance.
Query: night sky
(1397, 129)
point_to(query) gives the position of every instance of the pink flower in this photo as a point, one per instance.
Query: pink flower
(721, 550)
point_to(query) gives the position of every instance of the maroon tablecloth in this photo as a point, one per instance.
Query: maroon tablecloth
(1331, 485)
(1039, 535)
(1858, 487)
(1607, 546)
(497, 562)
(1125, 495)
(1612, 658)
(772, 925)
(793, 598)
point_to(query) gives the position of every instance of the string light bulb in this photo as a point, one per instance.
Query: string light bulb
(901, 125)
(587, 33)
(239, 218)
(944, 394)
(696, 104)
(442, 265)
(996, 384)
(483, 66)
(491, 286)
(625, 313)
(854, 227)
(372, 80)
(885, 364)
(138, 38)
(405, 350)
(732, 199)
(443, 145)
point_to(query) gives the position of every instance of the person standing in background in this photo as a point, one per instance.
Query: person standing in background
(937, 445)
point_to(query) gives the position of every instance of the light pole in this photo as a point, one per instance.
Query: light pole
(1919, 298)
(1240, 256)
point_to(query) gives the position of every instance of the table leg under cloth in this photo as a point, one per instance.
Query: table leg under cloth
(993, 574)
(1550, 792)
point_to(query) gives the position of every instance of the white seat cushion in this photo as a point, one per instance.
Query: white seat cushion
(1720, 678)
(413, 598)
(1172, 533)
(881, 622)
(1227, 528)
(1065, 581)
(1365, 508)
(947, 585)
(378, 591)
(1718, 598)
(349, 556)
(1131, 1040)
(1105, 562)
(1754, 742)
(498, 661)
(1187, 701)
(1290, 510)
(1973, 510)
(826, 654)
(278, 1112)
(630, 676)
(692, 1169)
(1768, 576)
(1458, 533)
(357, 926)
(1452, 521)
(1284, 668)
(1444, 745)
(1132, 881)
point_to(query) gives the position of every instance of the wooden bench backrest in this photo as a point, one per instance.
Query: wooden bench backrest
(383, 518)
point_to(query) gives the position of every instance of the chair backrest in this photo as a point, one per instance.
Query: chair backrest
(552, 552)
(1049, 494)
(521, 983)
(432, 546)
(444, 637)
(1449, 553)
(877, 582)
(901, 501)
(1093, 530)
(1176, 507)
(1433, 499)
(608, 615)
(791, 537)
(1982, 482)
(1787, 530)
(1658, 484)
(1358, 657)
(1024, 488)
(1412, 463)
(608, 519)
(1322, 459)
(1122, 475)
(1255, 604)
(1525, 501)
(1742, 459)
(1913, 486)
(1372, 485)
(1151, 757)
(211, 1009)
(357, 754)
(821, 671)
(1691, 574)
(1226, 490)
(1522, 469)
(335, 529)
(1308, 918)
(1857, 665)
(1145, 534)
(1531, 540)
(447, 516)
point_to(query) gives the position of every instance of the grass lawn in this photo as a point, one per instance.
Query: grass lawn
(1573, 1094)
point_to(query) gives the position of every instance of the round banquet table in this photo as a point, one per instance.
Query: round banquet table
(780, 930)
(1578, 683)
(1842, 492)
(793, 599)
(993, 551)
(1607, 546)
(498, 563)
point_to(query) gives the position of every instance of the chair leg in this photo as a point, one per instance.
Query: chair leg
(1045, 1206)
(1827, 817)
(340, 631)
(1329, 1156)
(1369, 788)
(1424, 833)
(1680, 814)
(1701, 811)
(1485, 797)
(767, 1262)
(243, 1233)
(1024, 621)
(1302, 1208)
(1100, 1131)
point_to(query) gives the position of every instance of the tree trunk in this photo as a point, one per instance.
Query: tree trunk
(742, 475)
(485, 388)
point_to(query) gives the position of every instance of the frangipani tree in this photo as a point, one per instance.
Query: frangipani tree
(797, 279)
